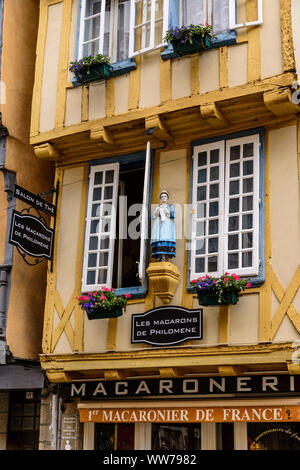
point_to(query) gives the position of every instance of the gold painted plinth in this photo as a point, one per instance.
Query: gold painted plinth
(164, 278)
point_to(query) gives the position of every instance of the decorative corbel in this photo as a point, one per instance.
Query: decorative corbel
(114, 375)
(101, 136)
(46, 151)
(157, 130)
(57, 375)
(213, 115)
(294, 368)
(225, 371)
(164, 278)
(280, 103)
(168, 372)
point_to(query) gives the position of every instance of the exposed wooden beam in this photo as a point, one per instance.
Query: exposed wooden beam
(211, 113)
(155, 128)
(101, 136)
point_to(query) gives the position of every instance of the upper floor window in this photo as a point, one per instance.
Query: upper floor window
(104, 28)
(227, 204)
(125, 28)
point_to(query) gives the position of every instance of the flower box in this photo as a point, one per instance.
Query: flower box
(229, 296)
(93, 72)
(199, 44)
(105, 313)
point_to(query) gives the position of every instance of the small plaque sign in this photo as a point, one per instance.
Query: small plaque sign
(165, 326)
(31, 235)
(34, 200)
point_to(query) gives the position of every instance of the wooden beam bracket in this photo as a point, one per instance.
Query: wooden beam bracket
(156, 129)
(46, 151)
(211, 113)
(101, 136)
(280, 103)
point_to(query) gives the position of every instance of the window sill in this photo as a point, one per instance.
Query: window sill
(224, 39)
(118, 68)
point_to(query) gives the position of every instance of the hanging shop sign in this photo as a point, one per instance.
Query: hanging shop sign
(230, 414)
(31, 235)
(165, 326)
(184, 387)
(34, 200)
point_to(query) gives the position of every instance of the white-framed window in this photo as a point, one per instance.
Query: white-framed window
(214, 12)
(104, 28)
(233, 7)
(148, 25)
(225, 207)
(116, 231)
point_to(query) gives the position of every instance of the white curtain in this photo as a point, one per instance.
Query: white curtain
(215, 12)
(220, 16)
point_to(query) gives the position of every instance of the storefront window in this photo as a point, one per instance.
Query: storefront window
(114, 436)
(176, 437)
(275, 436)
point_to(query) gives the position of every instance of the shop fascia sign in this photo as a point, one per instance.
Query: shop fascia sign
(192, 387)
(30, 233)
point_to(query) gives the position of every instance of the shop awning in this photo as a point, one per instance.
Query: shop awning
(280, 410)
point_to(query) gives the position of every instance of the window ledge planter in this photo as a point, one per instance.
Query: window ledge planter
(104, 313)
(225, 290)
(228, 296)
(91, 68)
(199, 44)
(105, 303)
(94, 72)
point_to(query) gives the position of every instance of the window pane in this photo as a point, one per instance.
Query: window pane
(90, 278)
(98, 177)
(200, 265)
(202, 176)
(200, 229)
(202, 158)
(213, 209)
(102, 276)
(109, 176)
(247, 203)
(201, 193)
(248, 185)
(234, 205)
(247, 259)
(92, 260)
(213, 227)
(97, 194)
(247, 221)
(93, 245)
(233, 224)
(104, 244)
(214, 173)
(233, 260)
(201, 211)
(247, 240)
(214, 191)
(92, 7)
(108, 192)
(107, 209)
(200, 247)
(248, 167)
(28, 423)
(248, 150)
(235, 152)
(103, 259)
(106, 225)
(213, 245)
(123, 29)
(96, 210)
(212, 264)
(92, 28)
(214, 156)
(234, 187)
(233, 242)
(94, 226)
(235, 170)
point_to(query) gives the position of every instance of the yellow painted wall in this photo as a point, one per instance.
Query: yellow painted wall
(257, 55)
(243, 323)
(26, 300)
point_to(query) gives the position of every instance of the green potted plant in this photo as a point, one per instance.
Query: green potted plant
(219, 291)
(91, 68)
(104, 303)
(190, 39)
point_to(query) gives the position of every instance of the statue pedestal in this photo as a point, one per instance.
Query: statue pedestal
(164, 278)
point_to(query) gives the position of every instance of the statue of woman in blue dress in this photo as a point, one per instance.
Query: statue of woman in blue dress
(163, 231)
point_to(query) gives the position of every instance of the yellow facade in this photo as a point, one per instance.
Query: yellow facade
(223, 91)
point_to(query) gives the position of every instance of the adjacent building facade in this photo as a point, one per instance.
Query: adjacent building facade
(22, 287)
(219, 131)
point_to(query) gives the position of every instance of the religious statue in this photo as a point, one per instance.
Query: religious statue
(163, 231)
